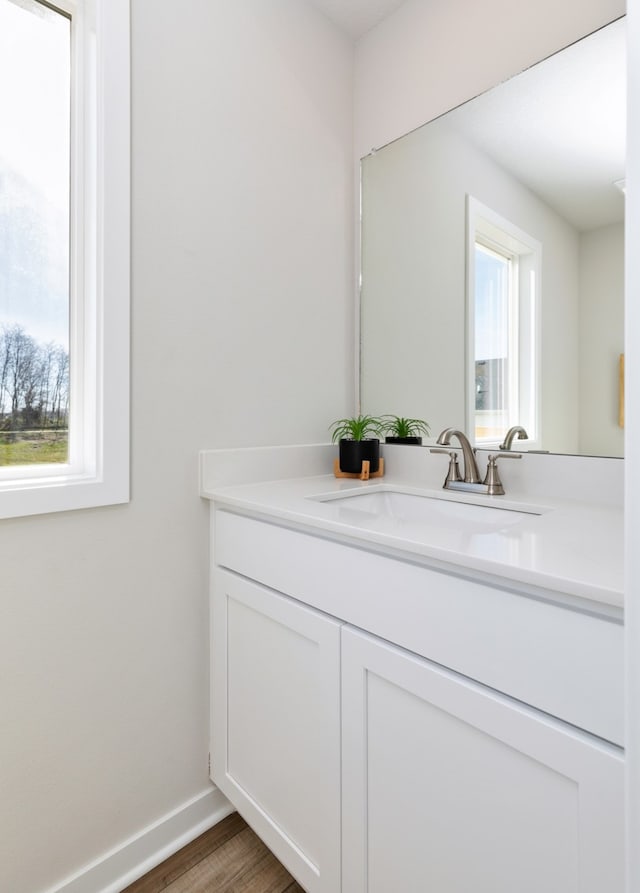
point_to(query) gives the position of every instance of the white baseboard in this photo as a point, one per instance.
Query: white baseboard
(120, 867)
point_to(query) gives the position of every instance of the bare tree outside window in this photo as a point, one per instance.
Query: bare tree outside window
(34, 399)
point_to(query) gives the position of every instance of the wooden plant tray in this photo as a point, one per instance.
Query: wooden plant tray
(364, 475)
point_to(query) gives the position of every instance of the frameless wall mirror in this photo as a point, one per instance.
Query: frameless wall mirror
(492, 286)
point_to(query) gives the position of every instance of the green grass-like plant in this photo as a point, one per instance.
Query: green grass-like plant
(398, 426)
(361, 427)
(33, 449)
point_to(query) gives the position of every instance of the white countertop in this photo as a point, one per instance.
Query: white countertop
(572, 548)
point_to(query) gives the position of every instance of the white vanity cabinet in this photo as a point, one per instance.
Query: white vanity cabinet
(386, 726)
(276, 724)
(449, 786)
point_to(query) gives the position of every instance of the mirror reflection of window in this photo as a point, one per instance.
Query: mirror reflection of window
(503, 321)
(493, 342)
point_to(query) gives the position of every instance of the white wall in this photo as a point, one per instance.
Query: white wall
(242, 283)
(601, 339)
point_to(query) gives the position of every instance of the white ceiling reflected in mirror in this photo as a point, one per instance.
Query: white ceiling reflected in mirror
(543, 152)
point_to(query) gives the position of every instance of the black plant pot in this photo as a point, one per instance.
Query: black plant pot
(354, 452)
(415, 441)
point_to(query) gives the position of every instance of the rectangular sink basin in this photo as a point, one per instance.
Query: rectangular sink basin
(404, 507)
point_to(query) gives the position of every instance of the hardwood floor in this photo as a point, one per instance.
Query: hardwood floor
(228, 858)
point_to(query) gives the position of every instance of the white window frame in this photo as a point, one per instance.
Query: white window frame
(497, 233)
(97, 472)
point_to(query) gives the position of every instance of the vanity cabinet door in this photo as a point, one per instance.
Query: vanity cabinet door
(276, 724)
(449, 786)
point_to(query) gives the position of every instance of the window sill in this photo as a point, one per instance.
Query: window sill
(36, 496)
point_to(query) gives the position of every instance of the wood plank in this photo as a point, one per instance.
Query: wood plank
(159, 878)
(228, 858)
(242, 865)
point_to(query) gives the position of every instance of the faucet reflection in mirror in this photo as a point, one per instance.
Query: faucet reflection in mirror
(526, 151)
(513, 432)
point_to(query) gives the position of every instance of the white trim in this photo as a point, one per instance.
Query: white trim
(136, 856)
(357, 284)
(632, 452)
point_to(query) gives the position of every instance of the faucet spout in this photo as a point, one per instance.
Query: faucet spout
(471, 473)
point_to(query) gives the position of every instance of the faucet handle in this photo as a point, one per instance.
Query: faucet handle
(492, 478)
(453, 473)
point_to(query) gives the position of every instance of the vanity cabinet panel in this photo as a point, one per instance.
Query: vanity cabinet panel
(562, 660)
(448, 786)
(276, 724)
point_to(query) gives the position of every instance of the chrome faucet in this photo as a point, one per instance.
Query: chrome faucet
(510, 436)
(491, 485)
(470, 472)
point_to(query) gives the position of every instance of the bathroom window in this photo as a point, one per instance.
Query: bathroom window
(502, 308)
(64, 254)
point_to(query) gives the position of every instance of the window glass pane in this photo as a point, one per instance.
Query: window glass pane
(35, 72)
(492, 277)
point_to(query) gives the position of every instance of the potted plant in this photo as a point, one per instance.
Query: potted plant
(401, 430)
(359, 439)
